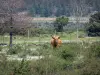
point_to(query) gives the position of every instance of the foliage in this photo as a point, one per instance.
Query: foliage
(91, 64)
(15, 49)
(14, 67)
(95, 18)
(21, 50)
(93, 28)
(56, 61)
(92, 67)
(46, 8)
(38, 31)
(65, 54)
(95, 50)
(1, 48)
(81, 34)
(21, 68)
(58, 8)
(60, 22)
(16, 30)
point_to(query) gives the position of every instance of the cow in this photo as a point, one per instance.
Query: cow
(55, 41)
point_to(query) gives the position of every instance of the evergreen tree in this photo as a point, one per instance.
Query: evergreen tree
(93, 28)
(60, 22)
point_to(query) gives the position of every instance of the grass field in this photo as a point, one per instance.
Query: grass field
(47, 37)
(35, 55)
(69, 59)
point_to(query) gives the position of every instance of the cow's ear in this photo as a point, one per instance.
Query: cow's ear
(58, 37)
(53, 37)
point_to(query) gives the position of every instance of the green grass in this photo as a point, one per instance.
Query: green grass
(59, 61)
(47, 37)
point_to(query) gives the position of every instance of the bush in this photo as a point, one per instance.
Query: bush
(15, 68)
(95, 50)
(81, 35)
(66, 53)
(15, 49)
(92, 67)
(21, 68)
(38, 31)
(21, 50)
(48, 66)
(58, 61)
(93, 28)
(92, 62)
(69, 51)
(1, 48)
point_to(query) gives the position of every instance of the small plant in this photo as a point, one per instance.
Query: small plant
(1, 48)
(91, 67)
(15, 49)
(91, 63)
(95, 50)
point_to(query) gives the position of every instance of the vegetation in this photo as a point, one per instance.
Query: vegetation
(60, 23)
(30, 52)
(21, 50)
(93, 27)
(63, 60)
(58, 8)
(44, 8)
(91, 64)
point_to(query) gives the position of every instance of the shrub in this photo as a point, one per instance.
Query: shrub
(69, 51)
(1, 48)
(93, 28)
(94, 50)
(92, 62)
(38, 31)
(21, 50)
(92, 67)
(15, 49)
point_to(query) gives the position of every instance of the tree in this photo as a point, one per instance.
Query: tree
(60, 22)
(79, 9)
(95, 18)
(93, 28)
(10, 8)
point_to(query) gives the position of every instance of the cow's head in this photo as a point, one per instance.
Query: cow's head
(55, 41)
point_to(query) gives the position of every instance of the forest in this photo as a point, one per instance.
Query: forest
(47, 8)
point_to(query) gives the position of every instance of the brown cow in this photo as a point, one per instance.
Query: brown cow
(55, 41)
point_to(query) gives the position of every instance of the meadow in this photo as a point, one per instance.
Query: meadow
(36, 56)
(18, 39)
